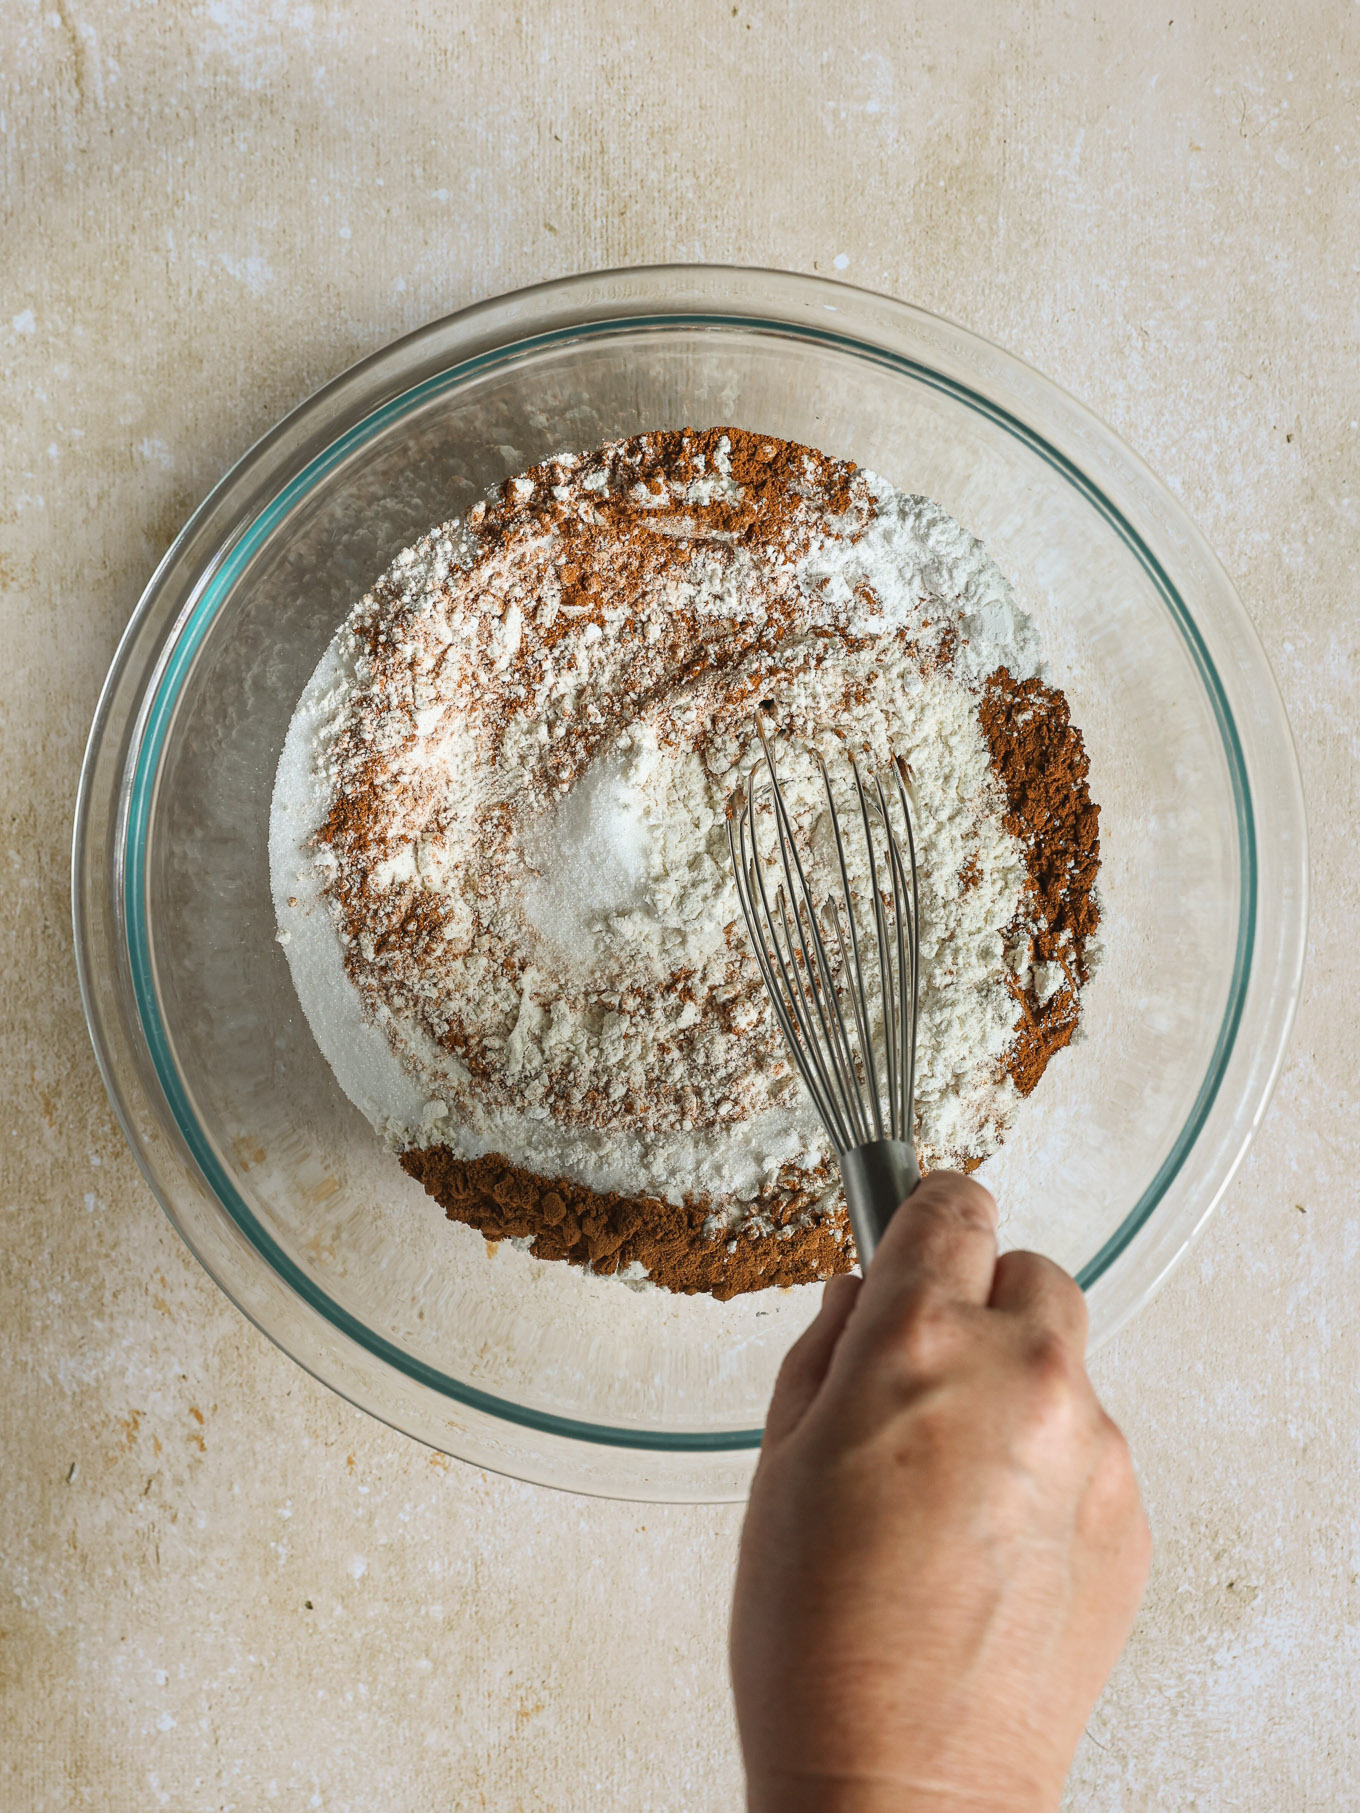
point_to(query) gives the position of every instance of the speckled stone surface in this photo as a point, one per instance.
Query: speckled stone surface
(221, 1587)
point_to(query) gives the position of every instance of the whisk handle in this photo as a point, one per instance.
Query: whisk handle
(877, 1178)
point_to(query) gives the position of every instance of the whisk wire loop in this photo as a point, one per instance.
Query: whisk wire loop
(911, 896)
(835, 1066)
(782, 988)
(820, 983)
(839, 952)
(821, 987)
(853, 970)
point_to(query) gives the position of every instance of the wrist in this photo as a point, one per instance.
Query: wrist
(781, 1792)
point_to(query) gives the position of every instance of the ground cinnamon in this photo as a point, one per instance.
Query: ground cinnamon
(566, 1220)
(1041, 761)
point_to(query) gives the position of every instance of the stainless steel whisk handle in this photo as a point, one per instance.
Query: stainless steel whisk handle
(878, 1178)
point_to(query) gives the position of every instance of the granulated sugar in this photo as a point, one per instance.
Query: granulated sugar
(499, 857)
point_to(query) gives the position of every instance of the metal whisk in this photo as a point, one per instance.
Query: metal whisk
(838, 944)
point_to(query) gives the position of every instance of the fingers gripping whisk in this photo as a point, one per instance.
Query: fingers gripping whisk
(828, 889)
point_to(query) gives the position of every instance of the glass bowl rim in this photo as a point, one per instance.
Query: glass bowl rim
(161, 688)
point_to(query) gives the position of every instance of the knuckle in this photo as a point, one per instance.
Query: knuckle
(1069, 1295)
(1116, 1499)
(1052, 1371)
(1053, 1386)
(956, 1201)
(943, 1239)
(929, 1439)
(1062, 1297)
(926, 1336)
(1114, 1464)
(1115, 1449)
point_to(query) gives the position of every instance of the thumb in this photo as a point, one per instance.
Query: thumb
(805, 1364)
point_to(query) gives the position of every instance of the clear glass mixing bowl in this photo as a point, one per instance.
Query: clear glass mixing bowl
(276, 1181)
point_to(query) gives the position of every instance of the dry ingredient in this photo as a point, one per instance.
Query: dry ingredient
(636, 1236)
(499, 856)
(1042, 763)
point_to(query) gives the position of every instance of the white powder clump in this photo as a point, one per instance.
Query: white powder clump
(590, 851)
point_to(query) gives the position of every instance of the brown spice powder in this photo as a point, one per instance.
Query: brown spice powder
(608, 1232)
(1041, 761)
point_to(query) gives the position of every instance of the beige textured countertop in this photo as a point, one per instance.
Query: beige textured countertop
(221, 1587)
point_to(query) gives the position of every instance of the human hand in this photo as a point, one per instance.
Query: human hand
(945, 1547)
